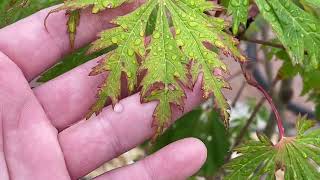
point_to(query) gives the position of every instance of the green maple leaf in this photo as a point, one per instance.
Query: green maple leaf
(310, 79)
(315, 3)
(173, 59)
(192, 29)
(164, 57)
(298, 30)
(297, 156)
(312, 6)
(239, 10)
(129, 36)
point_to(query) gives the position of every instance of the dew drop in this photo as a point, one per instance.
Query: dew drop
(304, 155)
(141, 33)
(267, 7)
(109, 5)
(95, 10)
(129, 75)
(180, 43)
(114, 39)
(287, 4)
(156, 35)
(118, 108)
(176, 74)
(137, 42)
(235, 3)
(171, 87)
(178, 31)
(192, 24)
(130, 52)
(191, 54)
(124, 26)
(313, 27)
(174, 57)
(218, 44)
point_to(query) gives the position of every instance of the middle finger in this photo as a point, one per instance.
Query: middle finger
(89, 144)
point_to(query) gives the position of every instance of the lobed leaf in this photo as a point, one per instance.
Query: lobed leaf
(192, 30)
(170, 62)
(164, 57)
(129, 37)
(298, 30)
(297, 156)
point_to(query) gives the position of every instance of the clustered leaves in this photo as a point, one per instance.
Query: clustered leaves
(176, 53)
(297, 156)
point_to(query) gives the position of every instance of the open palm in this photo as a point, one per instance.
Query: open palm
(41, 132)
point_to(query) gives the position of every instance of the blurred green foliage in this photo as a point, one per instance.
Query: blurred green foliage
(71, 61)
(14, 10)
(205, 125)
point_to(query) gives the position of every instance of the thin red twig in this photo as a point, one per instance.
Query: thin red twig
(254, 83)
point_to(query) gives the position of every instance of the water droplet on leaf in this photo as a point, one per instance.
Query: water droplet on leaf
(118, 108)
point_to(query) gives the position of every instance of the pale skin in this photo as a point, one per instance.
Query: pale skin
(42, 134)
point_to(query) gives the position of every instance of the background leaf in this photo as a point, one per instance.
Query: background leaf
(12, 10)
(206, 126)
(297, 156)
(296, 29)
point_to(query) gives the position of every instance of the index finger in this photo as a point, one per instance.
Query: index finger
(34, 49)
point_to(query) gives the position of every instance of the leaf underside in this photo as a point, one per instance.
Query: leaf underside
(297, 156)
(73, 23)
(171, 61)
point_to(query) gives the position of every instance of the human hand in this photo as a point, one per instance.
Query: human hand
(41, 135)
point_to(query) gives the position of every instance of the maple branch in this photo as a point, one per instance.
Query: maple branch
(266, 43)
(254, 83)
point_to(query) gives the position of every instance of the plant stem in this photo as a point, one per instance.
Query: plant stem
(266, 43)
(255, 111)
(254, 83)
(274, 109)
